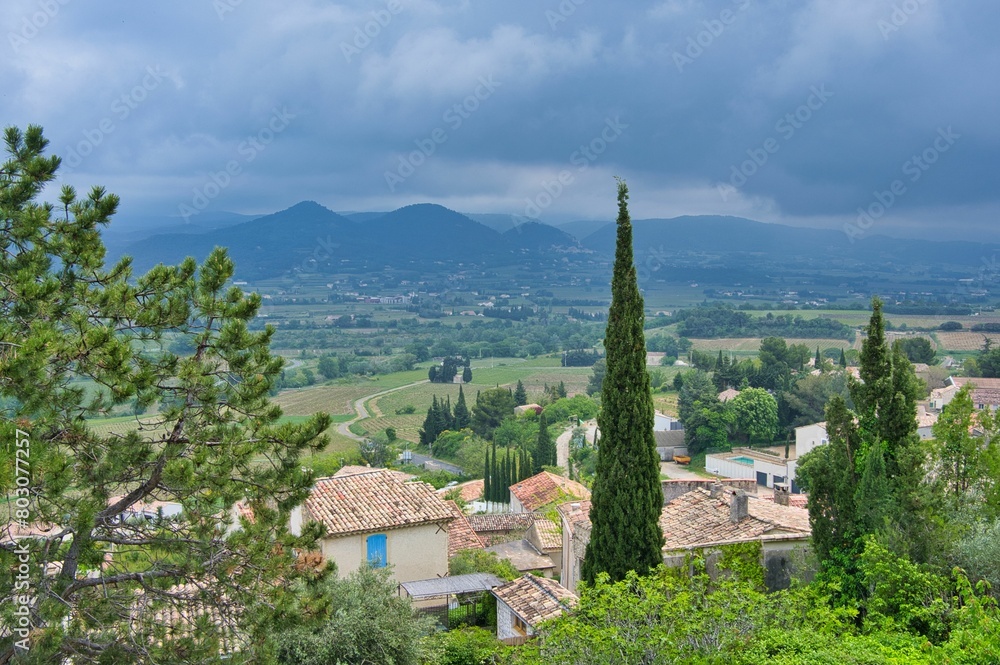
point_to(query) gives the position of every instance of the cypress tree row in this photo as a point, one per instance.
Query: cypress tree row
(626, 500)
(461, 417)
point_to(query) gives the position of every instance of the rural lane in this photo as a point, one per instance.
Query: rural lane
(360, 412)
(563, 440)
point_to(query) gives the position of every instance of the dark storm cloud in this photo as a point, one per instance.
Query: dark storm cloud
(796, 112)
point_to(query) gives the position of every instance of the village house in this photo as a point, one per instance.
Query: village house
(705, 520)
(375, 518)
(544, 489)
(526, 602)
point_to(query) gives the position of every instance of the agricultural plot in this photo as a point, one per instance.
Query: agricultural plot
(965, 341)
(329, 399)
(149, 426)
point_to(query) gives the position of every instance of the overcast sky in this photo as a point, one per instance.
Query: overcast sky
(792, 111)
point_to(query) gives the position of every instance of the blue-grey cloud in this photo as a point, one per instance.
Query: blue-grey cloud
(795, 112)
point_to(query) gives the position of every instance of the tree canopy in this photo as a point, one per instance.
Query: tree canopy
(89, 341)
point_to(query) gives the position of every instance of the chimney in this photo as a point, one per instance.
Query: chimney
(715, 490)
(781, 494)
(738, 506)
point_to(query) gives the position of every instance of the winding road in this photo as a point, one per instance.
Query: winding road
(361, 412)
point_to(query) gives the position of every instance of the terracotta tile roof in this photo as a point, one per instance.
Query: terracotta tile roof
(373, 502)
(469, 491)
(501, 522)
(728, 394)
(460, 533)
(545, 488)
(794, 500)
(549, 534)
(11, 532)
(536, 599)
(984, 391)
(695, 519)
(355, 470)
(574, 512)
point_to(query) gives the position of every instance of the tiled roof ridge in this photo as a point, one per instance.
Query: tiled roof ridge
(548, 592)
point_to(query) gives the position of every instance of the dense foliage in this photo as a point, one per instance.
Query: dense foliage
(723, 320)
(100, 576)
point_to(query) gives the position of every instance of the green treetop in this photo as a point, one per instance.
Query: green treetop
(84, 342)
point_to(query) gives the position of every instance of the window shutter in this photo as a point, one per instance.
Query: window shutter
(377, 557)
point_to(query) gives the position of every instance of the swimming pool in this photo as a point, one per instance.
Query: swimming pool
(742, 460)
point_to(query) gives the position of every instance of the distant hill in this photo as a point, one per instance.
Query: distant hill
(265, 246)
(422, 237)
(309, 236)
(534, 236)
(732, 235)
(582, 228)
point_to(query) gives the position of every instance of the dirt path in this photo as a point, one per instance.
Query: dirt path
(563, 441)
(361, 412)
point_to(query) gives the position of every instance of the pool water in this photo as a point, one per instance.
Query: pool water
(742, 460)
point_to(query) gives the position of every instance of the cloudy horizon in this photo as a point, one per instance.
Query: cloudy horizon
(868, 116)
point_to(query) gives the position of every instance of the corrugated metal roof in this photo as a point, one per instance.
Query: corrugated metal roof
(453, 584)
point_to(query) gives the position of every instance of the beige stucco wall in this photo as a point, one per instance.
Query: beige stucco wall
(415, 553)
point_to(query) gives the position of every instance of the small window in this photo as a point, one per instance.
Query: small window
(376, 547)
(520, 626)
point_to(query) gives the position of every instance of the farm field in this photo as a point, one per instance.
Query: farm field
(964, 341)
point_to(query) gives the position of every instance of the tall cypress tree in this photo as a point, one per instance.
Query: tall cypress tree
(447, 420)
(843, 358)
(487, 477)
(461, 411)
(627, 500)
(545, 447)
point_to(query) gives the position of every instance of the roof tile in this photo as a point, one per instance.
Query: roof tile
(536, 599)
(373, 502)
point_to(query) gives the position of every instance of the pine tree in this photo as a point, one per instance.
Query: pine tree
(68, 320)
(461, 416)
(545, 447)
(627, 500)
(520, 394)
(467, 375)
